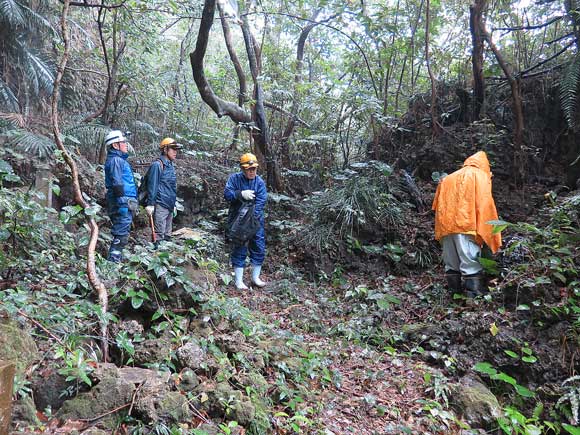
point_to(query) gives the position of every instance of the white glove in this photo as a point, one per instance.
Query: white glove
(248, 195)
(174, 211)
(149, 209)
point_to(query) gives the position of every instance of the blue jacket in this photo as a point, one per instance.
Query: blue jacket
(119, 179)
(162, 184)
(233, 193)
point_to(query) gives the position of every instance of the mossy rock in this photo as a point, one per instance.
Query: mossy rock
(109, 394)
(477, 405)
(16, 345)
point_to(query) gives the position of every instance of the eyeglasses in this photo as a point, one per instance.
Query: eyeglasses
(251, 169)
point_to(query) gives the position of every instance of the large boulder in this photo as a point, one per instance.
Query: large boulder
(477, 405)
(16, 345)
(115, 390)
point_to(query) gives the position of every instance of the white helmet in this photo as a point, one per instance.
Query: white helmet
(114, 136)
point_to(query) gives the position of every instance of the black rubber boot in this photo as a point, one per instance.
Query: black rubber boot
(453, 281)
(475, 285)
(116, 249)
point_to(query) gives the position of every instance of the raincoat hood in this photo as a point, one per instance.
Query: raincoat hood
(464, 203)
(478, 160)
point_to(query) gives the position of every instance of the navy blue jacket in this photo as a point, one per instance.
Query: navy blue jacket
(162, 184)
(233, 193)
(119, 179)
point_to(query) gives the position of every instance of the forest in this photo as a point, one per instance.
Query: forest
(357, 116)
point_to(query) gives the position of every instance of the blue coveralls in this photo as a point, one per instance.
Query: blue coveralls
(162, 184)
(162, 193)
(121, 187)
(233, 194)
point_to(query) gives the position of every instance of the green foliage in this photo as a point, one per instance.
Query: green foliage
(515, 423)
(437, 384)
(486, 368)
(22, 232)
(356, 203)
(77, 366)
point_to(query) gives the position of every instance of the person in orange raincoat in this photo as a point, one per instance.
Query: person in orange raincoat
(463, 205)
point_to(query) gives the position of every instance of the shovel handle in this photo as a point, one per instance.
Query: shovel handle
(153, 236)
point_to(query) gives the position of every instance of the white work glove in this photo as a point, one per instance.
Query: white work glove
(149, 209)
(248, 195)
(174, 211)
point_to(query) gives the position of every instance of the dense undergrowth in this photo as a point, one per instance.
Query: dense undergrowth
(264, 378)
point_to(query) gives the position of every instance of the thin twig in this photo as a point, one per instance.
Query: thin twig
(112, 411)
(43, 328)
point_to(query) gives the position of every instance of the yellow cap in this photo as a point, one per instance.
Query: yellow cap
(248, 160)
(170, 143)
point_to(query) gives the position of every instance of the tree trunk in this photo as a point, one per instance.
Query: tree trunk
(435, 126)
(518, 154)
(475, 26)
(256, 121)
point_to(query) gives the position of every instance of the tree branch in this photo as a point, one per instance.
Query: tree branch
(357, 45)
(86, 4)
(562, 51)
(219, 106)
(537, 26)
(295, 117)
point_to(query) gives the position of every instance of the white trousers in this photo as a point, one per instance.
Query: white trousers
(461, 253)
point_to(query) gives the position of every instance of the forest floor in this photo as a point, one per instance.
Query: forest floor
(379, 345)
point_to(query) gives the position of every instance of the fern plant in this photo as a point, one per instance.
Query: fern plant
(32, 143)
(87, 137)
(23, 62)
(569, 90)
(570, 397)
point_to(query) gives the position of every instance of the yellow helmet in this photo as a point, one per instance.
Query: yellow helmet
(169, 142)
(248, 160)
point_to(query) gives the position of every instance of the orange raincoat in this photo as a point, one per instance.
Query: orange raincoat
(463, 203)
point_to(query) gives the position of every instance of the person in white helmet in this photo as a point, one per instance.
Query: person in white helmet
(121, 192)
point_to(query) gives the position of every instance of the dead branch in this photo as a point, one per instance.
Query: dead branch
(94, 279)
(536, 26)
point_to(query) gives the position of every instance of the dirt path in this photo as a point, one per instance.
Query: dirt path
(366, 390)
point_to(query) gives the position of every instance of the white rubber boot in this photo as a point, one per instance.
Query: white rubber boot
(239, 282)
(256, 276)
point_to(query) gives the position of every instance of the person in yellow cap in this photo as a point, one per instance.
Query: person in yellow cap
(243, 187)
(463, 207)
(162, 189)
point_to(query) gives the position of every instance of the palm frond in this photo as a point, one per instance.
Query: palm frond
(143, 128)
(8, 100)
(88, 38)
(37, 71)
(87, 137)
(36, 21)
(31, 143)
(11, 13)
(14, 120)
(569, 90)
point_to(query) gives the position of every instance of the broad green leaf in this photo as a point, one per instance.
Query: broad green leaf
(574, 430)
(523, 391)
(136, 302)
(512, 354)
(485, 367)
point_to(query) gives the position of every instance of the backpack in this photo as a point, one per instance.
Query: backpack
(244, 226)
(142, 194)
